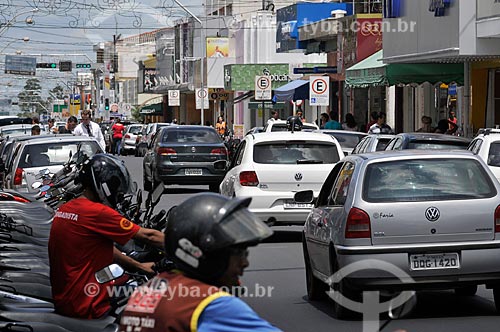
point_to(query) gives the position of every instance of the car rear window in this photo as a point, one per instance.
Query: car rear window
(494, 155)
(51, 154)
(191, 136)
(426, 180)
(135, 130)
(295, 153)
(437, 145)
(282, 127)
(382, 143)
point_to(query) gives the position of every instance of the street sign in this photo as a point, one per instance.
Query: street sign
(83, 65)
(174, 98)
(202, 95)
(47, 65)
(218, 94)
(20, 65)
(319, 91)
(263, 89)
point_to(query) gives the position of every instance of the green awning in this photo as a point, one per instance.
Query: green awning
(372, 72)
(154, 109)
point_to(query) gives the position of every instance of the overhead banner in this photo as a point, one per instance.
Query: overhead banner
(174, 98)
(217, 47)
(319, 91)
(263, 89)
(202, 95)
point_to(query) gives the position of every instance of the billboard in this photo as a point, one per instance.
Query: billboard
(217, 47)
(20, 65)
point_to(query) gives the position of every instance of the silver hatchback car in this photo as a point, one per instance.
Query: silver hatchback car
(433, 215)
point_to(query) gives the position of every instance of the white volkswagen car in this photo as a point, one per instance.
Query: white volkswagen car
(272, 167)
(487, 146)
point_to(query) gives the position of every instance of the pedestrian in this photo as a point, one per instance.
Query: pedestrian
(300, 115)
(452, 122)
(207, 238)
(35, 130)
(82, 238)
(50, 127)
(323, 120)
(333, 123)
(274, 116)
(350, 123)
(117, 130)
(90, 129)
(35, 120)
(381, 127)
(426, 125)
(373, 116)
(70, 125)
(220, 126)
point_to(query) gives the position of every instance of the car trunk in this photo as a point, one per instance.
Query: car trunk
(196, 153)
(432, 221)
(285, 177)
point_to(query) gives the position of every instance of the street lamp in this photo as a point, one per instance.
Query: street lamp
(202, 69)
(25, 39)
(29, 20)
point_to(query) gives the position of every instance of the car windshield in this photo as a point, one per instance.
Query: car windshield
(494, 155)
(51, 154)
(382, 143)
(295, 153)
(191, 136)
(135, 130)
(437, 145)
(282, 127)
(426, 180)
(347, 140)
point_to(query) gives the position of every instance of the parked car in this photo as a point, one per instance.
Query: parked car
(186, 155)
(347, 139)
(487, 146)
(281, 125)
(129, 138)
(433, 214)
(143, 140)
(426, 141)
(271, 167)
(372, 143)
(50, 152)
(255, 130)
(21, 129)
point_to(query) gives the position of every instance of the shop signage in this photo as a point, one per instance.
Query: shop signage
(369, 37)
(242, 77)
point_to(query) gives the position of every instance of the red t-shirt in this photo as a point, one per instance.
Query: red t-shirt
(80, 244)
(118, 130)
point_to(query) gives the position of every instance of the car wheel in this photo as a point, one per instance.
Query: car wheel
(214, 187)
(146, 184)
(466, 291)
(316, 289)
(339, 311)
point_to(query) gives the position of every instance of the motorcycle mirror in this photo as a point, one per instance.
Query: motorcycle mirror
(44, 188)
(109, 273)
(397, 311)
(157, 193)
(36, 185)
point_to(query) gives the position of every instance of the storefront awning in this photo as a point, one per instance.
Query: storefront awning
(154, 109)
(294, 90)
(372, 72)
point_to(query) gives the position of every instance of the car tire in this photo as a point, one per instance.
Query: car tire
(316, 289)
(146, 184)
(466, 291)
(339, 311)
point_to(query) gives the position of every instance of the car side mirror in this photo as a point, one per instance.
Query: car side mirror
(109, 273)
(306, 197)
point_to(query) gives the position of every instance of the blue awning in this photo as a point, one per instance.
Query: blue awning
(294, 90)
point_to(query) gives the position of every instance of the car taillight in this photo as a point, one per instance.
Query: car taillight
(166, 151)
(18, 177)
(219, 151)
(358, 225)
(127, 136)
(497, 219)
(249, 179)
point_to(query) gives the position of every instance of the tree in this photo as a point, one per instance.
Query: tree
(30, 100)
(58, 92)
(136, 114)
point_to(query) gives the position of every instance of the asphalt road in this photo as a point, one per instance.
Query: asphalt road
(276, 287)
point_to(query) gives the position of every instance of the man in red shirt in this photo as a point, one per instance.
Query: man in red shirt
(82, 236)
(117, 129)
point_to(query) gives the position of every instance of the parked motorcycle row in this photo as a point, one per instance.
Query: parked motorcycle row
(25, 222)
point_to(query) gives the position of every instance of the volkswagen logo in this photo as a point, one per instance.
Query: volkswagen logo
(432, 214)
(193, 149)
(298, 176)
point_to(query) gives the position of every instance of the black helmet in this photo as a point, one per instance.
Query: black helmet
(107, 177)
(294, 123)
(201, 232)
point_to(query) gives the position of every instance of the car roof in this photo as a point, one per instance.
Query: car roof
(346, 132)
(409, 153)
(287, 135)
(434, 136)
(17, 125)
(53, 138)
(187, 127)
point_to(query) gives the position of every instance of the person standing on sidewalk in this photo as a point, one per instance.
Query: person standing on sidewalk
(117, 130)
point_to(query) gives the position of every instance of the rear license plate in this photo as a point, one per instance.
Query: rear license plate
(292, 205)
(193, 171)
(434, 262)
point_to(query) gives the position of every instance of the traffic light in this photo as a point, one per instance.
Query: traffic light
(106, 104)
(47, 65)
(83, 65)
(65, 65)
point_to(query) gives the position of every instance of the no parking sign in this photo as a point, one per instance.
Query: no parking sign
(319, 91)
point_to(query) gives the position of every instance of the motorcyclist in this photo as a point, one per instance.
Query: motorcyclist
(82, 235)
(207, 237)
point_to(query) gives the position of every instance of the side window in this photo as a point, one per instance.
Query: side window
(326, 189)
(341, 187)
(397, 144)
(239, 154)
(472, 145)
(360, 146)
(477, 147)
(390, 146)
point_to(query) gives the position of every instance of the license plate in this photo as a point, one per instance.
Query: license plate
(193, 171)
(434, 262)
(297, 206)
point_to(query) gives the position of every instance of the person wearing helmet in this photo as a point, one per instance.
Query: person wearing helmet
(82, 235)
(206, 238)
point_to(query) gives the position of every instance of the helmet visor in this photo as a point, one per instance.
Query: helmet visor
(245, 228)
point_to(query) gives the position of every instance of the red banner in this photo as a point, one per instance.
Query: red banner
(369, 37)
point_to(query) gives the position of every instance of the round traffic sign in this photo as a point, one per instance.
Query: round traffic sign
(319, 86)
(173, 93)
(263, 82)
(202, 93)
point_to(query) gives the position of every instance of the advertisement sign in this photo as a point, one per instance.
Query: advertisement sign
(149, 81)
(217, 47)
(238, 131)
(263, 90)
(369, 37)
(174, 98)
(202, 95)
(319, 91)
(240, 77)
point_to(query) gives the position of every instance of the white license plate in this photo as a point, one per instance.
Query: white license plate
(297, 206)
(193, 171)
(434, 262)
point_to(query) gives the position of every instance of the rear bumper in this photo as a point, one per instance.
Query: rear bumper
(176, 174)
